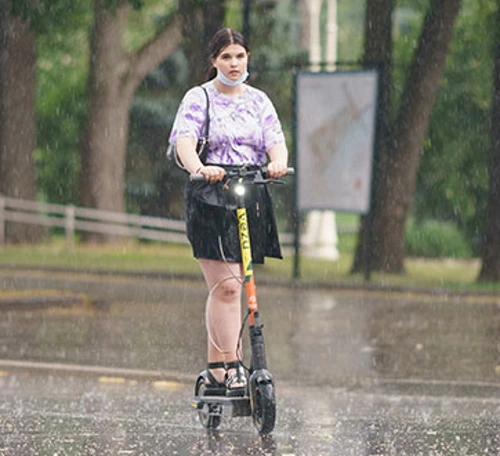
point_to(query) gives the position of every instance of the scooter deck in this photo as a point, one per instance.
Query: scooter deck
(223, 405)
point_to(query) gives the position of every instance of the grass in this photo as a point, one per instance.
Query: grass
(177, 259)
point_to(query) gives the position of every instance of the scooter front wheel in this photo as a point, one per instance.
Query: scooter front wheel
(264, 407)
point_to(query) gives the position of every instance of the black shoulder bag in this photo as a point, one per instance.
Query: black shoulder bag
(201, 146)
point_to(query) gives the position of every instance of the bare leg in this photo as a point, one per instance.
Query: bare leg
(223, 311)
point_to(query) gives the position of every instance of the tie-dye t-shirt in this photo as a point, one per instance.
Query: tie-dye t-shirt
(241, 129)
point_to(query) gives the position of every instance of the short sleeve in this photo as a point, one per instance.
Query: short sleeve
(190, 117)
(273, 132)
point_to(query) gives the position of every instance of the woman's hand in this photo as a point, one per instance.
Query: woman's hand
(276, 169)
(212, 173)
(278, 159)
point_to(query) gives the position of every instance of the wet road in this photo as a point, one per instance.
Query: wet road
(357, 373)
(67, 415)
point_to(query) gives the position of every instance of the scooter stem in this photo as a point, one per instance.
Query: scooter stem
(256, 336)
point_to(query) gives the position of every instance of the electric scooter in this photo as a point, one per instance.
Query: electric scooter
(259, 400)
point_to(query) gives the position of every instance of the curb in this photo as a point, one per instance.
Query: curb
(42, 300)
(108, 374)
(57, 298)
(276, 282)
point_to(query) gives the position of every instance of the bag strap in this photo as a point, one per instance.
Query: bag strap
(207, 118)
(204, 139)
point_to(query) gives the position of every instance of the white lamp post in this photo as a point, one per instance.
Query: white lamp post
(320, 238)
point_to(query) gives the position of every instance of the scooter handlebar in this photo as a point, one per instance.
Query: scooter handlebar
(198, 177)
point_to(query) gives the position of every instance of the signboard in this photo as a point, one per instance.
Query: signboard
(335, 139)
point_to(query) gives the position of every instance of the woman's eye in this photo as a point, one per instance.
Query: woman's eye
(228, 57)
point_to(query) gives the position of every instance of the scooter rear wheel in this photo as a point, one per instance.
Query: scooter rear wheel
(209, 417)
(264, 407)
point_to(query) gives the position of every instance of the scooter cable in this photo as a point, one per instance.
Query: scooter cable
(214, 287)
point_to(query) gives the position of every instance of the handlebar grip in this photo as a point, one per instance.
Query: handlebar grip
(289, 171)
(197, 177)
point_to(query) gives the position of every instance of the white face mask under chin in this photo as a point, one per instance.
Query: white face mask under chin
(230, 82)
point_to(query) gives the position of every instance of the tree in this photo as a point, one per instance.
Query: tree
(114, 76)
(201, 19)
(17, 115)
(399, 163)
(377, 52)
(490, 270)
(22, 26)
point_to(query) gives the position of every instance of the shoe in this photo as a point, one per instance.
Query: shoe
(236, 380)
(212, 386)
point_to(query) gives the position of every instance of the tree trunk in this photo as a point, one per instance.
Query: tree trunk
(105, 136)
(114, 75)
(200, 23)
(17, 117)
(400, 165)
(213, 18)
(377, 52)
(490, 269)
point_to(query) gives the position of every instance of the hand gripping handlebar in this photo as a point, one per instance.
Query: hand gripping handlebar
(242, 172)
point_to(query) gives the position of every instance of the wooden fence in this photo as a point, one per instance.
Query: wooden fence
(74, 219)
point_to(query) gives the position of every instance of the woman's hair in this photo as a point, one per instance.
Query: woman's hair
(221, 39)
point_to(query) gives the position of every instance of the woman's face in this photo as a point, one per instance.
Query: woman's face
(232, 61)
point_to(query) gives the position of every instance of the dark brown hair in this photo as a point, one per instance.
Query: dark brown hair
(221, 39)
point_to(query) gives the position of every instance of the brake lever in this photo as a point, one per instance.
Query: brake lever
(270, 181)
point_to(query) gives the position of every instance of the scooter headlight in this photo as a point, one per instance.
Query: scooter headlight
(239, 189)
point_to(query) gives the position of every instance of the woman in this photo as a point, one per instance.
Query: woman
(244, 129)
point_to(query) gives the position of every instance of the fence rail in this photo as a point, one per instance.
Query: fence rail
(74, 219)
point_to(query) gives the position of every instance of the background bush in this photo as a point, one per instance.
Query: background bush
(435, 239)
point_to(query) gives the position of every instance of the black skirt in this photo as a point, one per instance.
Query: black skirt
(212, 225)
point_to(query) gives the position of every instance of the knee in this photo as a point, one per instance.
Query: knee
(229, 291)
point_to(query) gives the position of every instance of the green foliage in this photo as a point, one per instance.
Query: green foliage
(153, 184)
(136, 4)
(50, 16)
(234, 15)
(144, 22)
(57, 159)
(274, 52)
(453, 176)
(434, 239)
(61, 103)
(350, 20)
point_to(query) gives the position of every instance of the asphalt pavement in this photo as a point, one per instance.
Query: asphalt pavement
(105, 365)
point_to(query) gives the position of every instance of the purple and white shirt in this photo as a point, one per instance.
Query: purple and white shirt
(241, 129)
